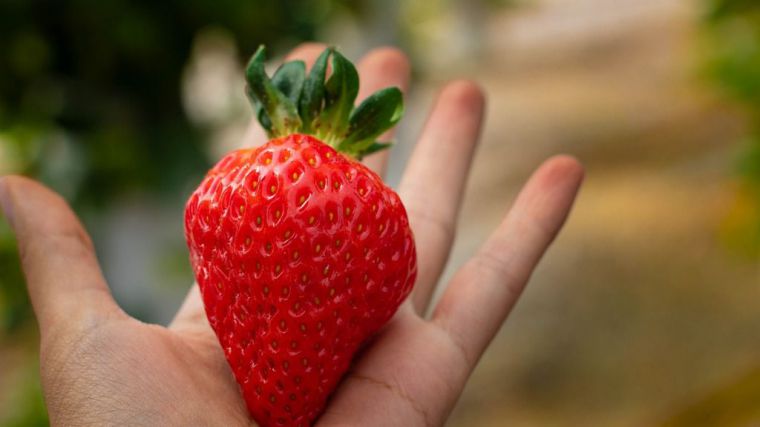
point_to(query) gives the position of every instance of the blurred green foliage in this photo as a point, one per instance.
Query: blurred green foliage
(734, 63)
(28, 407)
(90, 97)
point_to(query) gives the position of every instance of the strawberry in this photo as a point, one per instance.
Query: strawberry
(301, 252)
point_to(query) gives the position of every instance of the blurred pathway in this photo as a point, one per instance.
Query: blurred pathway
(638, 307)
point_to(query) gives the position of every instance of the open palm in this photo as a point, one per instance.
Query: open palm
(102, 367)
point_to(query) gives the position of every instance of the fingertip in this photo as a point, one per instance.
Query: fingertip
(10, 187)
(566, 160)
(563, 168)
(388, 59)
(14, 186)
(551, 191)
(30, 206)
(457, 115)
(466, 93)
(384, 67)
(461, 102)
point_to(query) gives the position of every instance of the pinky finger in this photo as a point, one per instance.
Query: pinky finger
(483, 292)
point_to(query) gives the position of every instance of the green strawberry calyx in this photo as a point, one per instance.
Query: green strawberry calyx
(292, 101)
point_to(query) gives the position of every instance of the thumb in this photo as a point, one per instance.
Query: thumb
(65, 283)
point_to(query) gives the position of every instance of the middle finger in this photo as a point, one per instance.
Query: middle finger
(433, 183)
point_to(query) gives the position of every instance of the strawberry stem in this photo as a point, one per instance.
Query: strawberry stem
(293, 102)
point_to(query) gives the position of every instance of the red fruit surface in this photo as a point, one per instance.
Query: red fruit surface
(301, 254)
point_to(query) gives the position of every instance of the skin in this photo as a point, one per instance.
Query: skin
(101, 367)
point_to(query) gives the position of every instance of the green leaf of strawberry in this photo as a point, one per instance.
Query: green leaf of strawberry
(289, 79)
(274, 110)
(322, 105)
(313, 93)
(341, 90)
(380, 111)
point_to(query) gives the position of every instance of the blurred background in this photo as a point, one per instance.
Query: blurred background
(645, 312)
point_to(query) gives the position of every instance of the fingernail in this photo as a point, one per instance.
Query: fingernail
(5, 199)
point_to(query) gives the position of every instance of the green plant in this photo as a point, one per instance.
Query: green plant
(734, 64)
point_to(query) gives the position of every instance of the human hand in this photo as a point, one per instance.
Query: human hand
(100, 366)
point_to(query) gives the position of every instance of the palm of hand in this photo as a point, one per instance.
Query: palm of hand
(100, 366)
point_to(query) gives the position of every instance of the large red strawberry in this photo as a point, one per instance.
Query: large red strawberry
(301, 252)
